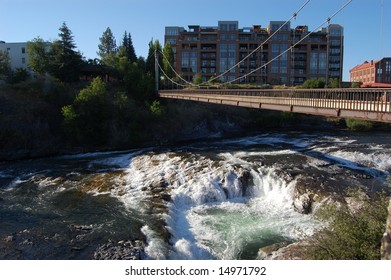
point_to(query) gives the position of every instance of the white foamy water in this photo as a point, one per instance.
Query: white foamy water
(379, 160)
(219, 200)
(219, 210)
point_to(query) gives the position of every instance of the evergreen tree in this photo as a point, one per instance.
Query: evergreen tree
(107, 47)
(128, 48)
(65, 62)
(150, 64)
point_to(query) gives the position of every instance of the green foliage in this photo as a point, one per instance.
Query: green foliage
(352, 234)
(197, 79)
(85, 119)
(5, 67)
(168, 60)
(65, 63)
(314, 83)
(19, 75)
(154, 46)
(358, 125)
(156, 108)
(356, 85)
(127, 48)
(38, 56)
(334, 83)
(107, 47)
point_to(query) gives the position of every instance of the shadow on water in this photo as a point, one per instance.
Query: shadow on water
(49, 210)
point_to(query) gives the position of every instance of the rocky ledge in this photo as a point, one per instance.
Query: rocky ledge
(122, 250)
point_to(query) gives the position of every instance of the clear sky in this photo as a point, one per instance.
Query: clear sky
(367, 23)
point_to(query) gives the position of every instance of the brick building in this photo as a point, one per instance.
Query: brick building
(210, 51)
(373, 74)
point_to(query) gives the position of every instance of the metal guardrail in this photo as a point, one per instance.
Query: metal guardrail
(368, 100)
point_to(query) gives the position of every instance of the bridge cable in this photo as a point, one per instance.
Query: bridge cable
(170, 79)
(176, 73)
(294, 16)
(305, 37)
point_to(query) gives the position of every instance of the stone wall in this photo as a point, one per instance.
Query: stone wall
(386, 242)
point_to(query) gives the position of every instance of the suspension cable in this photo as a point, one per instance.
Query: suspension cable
(294, 16)
(305, 37)
(170, 79)
(176, 73)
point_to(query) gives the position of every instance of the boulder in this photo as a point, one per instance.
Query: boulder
(303, 204)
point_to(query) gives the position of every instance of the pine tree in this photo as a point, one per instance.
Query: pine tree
(107, 47)
(65, 61)
(153, 46)
(127, 49)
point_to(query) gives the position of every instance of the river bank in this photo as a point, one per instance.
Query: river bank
(32, 124)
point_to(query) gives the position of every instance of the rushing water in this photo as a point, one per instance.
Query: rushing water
(212, 200)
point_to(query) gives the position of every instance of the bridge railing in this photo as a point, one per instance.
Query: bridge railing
(367, 99)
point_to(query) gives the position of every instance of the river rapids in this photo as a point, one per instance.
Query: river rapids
(222, 199)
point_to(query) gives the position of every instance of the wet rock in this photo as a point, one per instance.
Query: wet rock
(166, 197)
(294, 251)
(9, 238)
(80, 227)
(267, 251)
(122, 250)
(303, 204)
(245, 178)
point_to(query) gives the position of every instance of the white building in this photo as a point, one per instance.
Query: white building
(17, 53)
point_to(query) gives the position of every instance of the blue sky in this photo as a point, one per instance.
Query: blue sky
(367, 36)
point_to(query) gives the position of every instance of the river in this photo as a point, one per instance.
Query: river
(220, 199)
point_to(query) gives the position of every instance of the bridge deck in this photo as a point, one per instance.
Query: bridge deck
(366, 104)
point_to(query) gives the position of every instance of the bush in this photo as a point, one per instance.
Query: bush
(85, 120)
(314, 83)
(352, 234)
(358, 125)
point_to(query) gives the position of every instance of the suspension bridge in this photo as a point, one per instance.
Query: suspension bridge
(365, 104)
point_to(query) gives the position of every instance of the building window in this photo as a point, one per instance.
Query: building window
(23, 50)
(172, 31)
(388, 67)
(185, 59)
(23, 60)
(314, 63)
(172, 41)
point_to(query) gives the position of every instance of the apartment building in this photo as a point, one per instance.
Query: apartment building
(373, 73)
(210, 51)
(17, 53)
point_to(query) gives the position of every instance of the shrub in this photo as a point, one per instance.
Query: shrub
(351, 234)
(314, 83)
(359, 125)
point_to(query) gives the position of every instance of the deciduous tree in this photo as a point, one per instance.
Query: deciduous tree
(168, 60)
(5, 67)
(38, 56)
